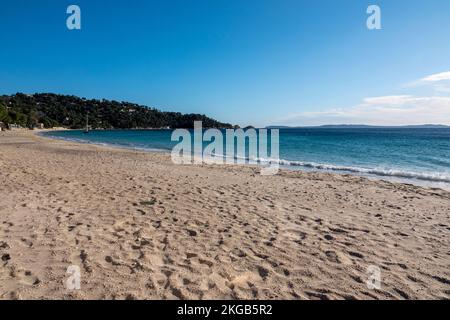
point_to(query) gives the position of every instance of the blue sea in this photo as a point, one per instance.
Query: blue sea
(418, 156)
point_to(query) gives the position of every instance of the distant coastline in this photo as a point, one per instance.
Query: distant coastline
(360, 126)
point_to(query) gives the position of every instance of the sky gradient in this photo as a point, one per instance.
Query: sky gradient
(244, 62)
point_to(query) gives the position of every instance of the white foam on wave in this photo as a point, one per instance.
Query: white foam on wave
(426, 176)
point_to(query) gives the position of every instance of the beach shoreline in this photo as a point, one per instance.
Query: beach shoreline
(141, 227)
(421, 179)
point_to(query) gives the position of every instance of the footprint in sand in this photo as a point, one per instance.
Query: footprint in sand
(4, 245)
(191, 233)
(6, 257)
(25, 277)
(263, 272)
(338, 257)
(27, 242)
(356, 254)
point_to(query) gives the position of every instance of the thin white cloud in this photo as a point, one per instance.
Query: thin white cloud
(437, 77)
(385, 110)
(439, 82)
(387, 100)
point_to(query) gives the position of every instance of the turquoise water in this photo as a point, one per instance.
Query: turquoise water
(418, 156)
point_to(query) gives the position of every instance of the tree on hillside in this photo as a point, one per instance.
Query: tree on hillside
(4, 114)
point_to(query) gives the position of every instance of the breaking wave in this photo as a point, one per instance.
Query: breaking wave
(435, 177)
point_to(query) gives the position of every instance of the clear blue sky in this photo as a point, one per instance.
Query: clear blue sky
(254, 62)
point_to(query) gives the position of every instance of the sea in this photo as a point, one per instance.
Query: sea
(419, 156)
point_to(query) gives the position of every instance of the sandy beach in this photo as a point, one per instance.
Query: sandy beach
(141, 227)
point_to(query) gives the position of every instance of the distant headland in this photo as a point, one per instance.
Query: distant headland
(359, 126)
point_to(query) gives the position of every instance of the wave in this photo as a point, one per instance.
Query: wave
(431, 177)
(434, 177)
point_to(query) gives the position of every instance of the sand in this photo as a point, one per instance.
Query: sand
(140, 227)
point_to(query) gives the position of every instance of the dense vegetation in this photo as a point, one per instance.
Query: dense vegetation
(55, 110)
